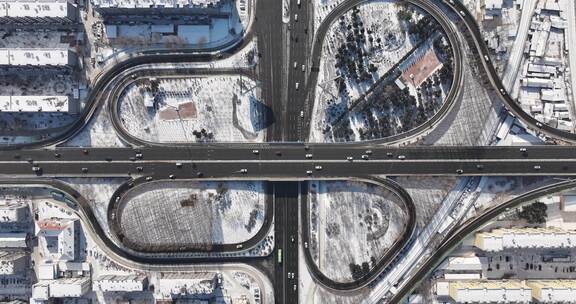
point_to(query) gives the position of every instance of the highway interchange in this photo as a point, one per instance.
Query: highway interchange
(285, 160)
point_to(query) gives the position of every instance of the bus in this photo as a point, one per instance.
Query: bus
(279, 256)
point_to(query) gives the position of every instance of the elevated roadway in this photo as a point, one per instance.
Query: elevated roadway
(458, 234)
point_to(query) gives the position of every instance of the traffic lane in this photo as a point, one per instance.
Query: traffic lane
(293, 169)
(286, 195)
(289, 151)
(292, 242)
(279, 228)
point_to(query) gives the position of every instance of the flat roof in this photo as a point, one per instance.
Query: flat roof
(37, 57)
(34, 103)
(154, 3)
(34, 9)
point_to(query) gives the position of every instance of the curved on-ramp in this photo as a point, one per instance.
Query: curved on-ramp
(118, 199)
(453, 94)
(113, 102)
(384, 261)
(459, 233)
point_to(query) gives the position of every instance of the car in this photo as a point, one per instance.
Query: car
(295, 64)
(132, 158)
(255, 152)
(305, 244)
(148, 178)
(292, 239)
(389, 154)
(480, 167)
(239, 246)
(278, 153)
(301, 114)
(295, 287)
(369, 152)
(178, 165)
(459, 171)
(199, 174)
(306, 147)
(349, 158)
(538, 124)
(537, 167)
(401, 157)
(139, 155)
(171, 176)
(297, 85)
(140, 169)
(244, 170)
(365, 157)
(303, 68)
(108, 159)
(296, 17)
(308, 155)
(318, 167)
(85, 151)
(309, 172)
(523, 150)
(57, 155)
(84, 170)
(298, 3)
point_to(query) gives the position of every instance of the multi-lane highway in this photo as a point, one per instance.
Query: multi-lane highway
(290, 161)
(285, 70)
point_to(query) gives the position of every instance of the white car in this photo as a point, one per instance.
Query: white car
(365, 156)
(523, 150)
(303, 68)
(318, 168)
(295, 64)
(308, 155)
(244, 170)
(301, 114)
(255, 151)
(537, 167)
(309, 172)
(349, 158)
(305, 244)
(401, 157)
(296, 17)
(297, 85)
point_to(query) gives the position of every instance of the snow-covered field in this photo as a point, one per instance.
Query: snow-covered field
(98, 191)
(352, 222)
(98, 132)
(427, 193)
(226, 107)
(191, 213)
(388, 110)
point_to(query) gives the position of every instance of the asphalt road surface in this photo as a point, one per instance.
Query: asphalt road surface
(286, 202)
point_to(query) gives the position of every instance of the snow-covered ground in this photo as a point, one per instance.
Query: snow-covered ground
(387, 110)
(351, 222)
(98, 132)
(205, 213)
(227, 107)
(427, 194)
(98, 191)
